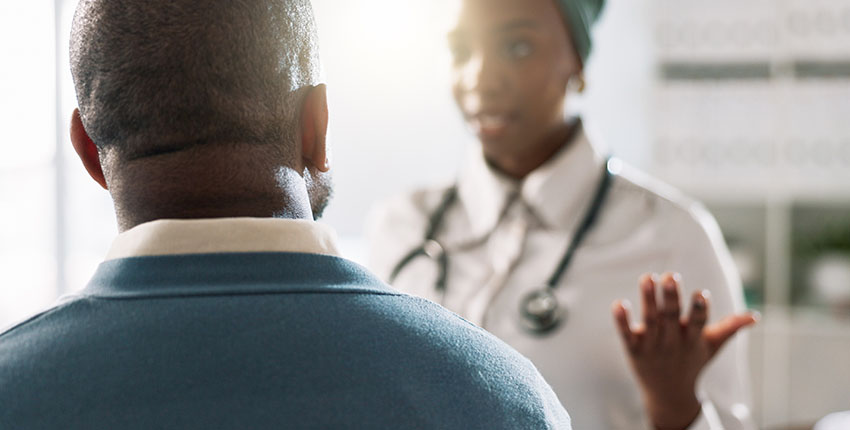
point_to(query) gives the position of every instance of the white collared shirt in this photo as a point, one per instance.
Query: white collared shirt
(504, 240)
(224, 235)
(218, 236)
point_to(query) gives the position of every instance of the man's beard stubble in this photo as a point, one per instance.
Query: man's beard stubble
(319, 189)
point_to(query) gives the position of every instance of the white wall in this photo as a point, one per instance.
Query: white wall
(394, 125)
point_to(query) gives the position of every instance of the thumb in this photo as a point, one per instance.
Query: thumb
(717, 334)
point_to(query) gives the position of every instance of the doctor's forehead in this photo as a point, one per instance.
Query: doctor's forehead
(494, 16)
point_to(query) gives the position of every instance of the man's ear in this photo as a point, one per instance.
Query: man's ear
(314, 128)
(86, 149)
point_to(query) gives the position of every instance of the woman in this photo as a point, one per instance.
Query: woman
(541, 233)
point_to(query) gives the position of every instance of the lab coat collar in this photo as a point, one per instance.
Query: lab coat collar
(557, 192)
(560, 191)
(484, 193)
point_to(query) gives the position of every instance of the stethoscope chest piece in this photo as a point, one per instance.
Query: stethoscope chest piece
(433, 250)
(541, 312)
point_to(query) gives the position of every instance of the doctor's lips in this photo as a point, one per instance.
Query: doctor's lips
(490, 124)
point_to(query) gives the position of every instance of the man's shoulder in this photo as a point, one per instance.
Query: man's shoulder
(370, 348)
(33, 320)
(480, 372)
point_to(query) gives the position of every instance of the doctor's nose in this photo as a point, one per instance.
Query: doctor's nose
(481, 76)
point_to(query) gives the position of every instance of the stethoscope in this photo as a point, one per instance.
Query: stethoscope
(539, 310)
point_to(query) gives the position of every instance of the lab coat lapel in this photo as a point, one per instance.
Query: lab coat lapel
(560, 191)
(483, 193)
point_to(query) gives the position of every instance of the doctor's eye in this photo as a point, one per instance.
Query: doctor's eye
(518, 49)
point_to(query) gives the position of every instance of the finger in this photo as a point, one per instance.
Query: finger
(650, 308)
(671, 326)
(620, 309)
(698, 315)
(717, 334)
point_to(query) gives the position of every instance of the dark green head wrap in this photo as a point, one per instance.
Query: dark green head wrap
(580, 15)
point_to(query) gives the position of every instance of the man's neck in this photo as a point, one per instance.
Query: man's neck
(130, 219)
(230, 184)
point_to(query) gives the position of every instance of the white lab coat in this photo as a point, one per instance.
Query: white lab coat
(501, 251)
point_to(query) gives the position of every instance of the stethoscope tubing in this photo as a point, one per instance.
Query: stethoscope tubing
(438, 253)
(540, 309)
(585, 227)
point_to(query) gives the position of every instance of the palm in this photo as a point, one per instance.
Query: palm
(668, 350)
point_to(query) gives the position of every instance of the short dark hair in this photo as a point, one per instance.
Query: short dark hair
(155, 76)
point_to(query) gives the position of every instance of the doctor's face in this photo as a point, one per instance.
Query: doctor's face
(512, 60)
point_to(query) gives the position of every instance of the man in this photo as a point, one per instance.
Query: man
(221, 303)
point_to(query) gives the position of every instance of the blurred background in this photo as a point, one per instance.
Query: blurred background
(744, 104)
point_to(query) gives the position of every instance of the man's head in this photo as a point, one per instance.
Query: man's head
(200, 109)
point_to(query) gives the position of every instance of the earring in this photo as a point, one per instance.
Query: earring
(576, 83)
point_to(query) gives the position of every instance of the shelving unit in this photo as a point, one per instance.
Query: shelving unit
(752, 116)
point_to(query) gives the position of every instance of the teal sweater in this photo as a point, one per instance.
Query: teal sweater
(257, 341)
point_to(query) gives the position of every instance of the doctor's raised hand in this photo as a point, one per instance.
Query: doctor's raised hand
(670, 348)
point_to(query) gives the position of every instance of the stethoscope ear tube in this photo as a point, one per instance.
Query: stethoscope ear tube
(434, 251)
(431, 248)
(404, 262)
(586, 225)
